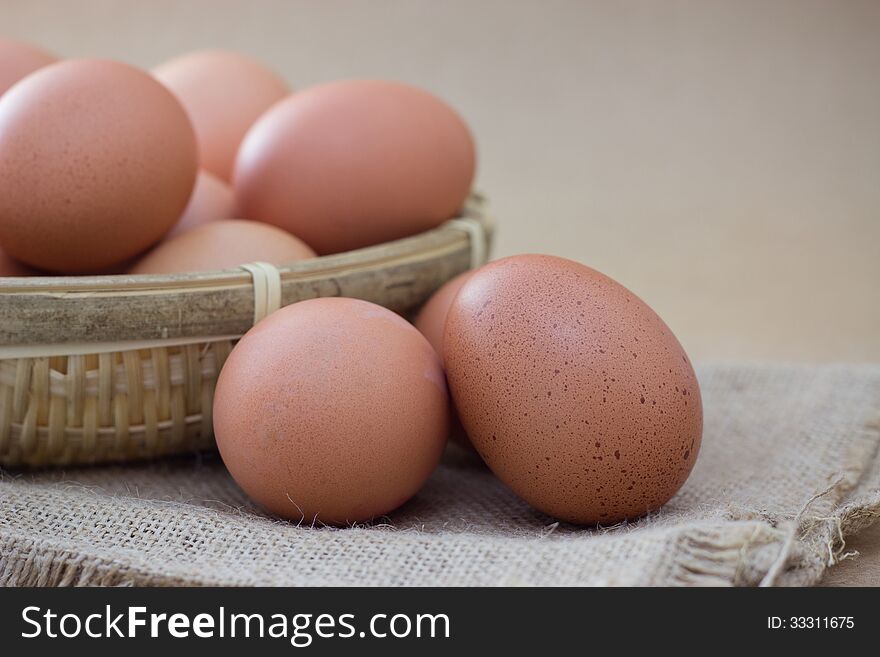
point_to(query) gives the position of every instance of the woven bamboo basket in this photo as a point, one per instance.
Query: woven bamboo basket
(113, 368)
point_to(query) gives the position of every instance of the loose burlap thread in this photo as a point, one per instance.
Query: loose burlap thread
(788, 471)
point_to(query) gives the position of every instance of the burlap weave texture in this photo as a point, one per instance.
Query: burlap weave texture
(789, 468)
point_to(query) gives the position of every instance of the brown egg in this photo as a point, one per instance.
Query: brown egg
(10, 267)
(221, 245)
(431, 322)
(349, 164)
(431, 319)
(573, 390)
(212, 199)
(97, 162)
(331, 411)
(18, 60)
(223, 93)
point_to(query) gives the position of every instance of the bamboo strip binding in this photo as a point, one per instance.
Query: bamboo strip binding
(116, 368)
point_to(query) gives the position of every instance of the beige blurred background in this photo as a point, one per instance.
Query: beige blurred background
(721, 159)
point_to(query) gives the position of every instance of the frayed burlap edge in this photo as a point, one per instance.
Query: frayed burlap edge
(758, 554)
(799, 550)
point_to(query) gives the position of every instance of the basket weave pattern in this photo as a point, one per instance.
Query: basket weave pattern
(108, 407)
(115, 379)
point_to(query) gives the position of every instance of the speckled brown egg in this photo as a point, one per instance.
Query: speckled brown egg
(211, 199)
(97, 162)
(353, 163)
(331, 411)
(572, 389)
(224, 93)
(18, 60)
(431, 322)
(223, 244)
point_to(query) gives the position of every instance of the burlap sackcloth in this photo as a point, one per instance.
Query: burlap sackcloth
(789, 468)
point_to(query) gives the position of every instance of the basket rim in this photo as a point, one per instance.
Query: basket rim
(58, 310)
(476, 208)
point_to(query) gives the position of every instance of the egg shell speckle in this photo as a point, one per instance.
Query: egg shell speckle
(572, 389)
(332, 411)
(97, 162)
